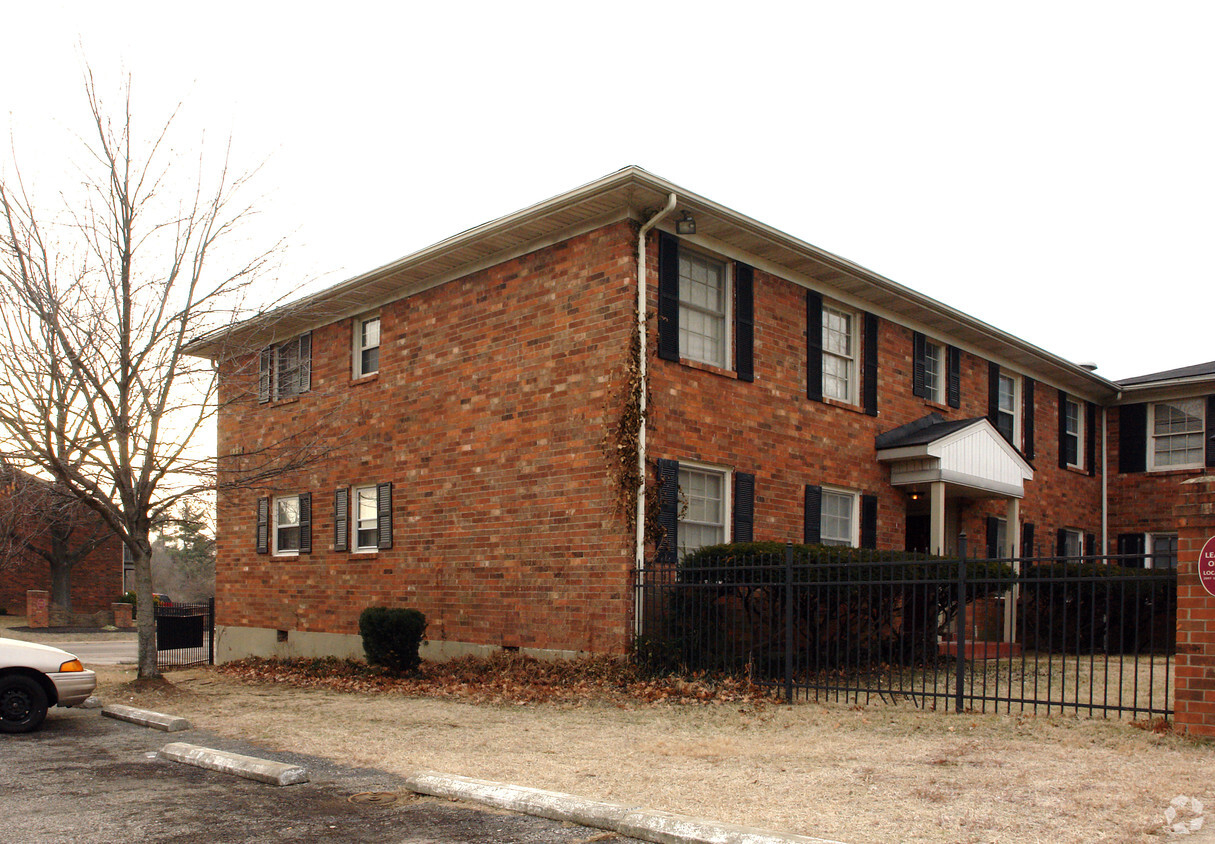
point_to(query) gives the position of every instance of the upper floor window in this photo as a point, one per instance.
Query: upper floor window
(285, 369)
(703, 307)
(839, 355)
(1177, 429)
(702, 508)
(366, 346)
(934, 372)
(1072, 441)
(839, 524)
(1006, 407)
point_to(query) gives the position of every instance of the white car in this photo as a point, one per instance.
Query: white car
(34, 678)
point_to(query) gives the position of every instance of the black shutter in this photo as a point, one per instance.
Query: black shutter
(305, 342)
(993, 394)
(954, 375)
(814, 346)
(305, 523)
(1131, 548)
(1027, 539)
(668, 511)
(1061, 542)
(1090, 545)
(383, 515)
(1210, 432)
(744, 507)
(1027, 417)
(341, 519)
(744, 322)
(919, 351)
(1090, 437)
(668, 296)
(1062, 430)
(1132, 438)
(265, 359)
(814, 515)
(993, 538)
(869, 521)
(870, 366)
(263, 525)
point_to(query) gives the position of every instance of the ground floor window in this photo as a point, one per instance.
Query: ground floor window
(839, 522)
(1162, 551)
(702, 507)
(287, 524)
(1071, 544)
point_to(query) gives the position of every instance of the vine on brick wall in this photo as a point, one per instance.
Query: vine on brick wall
(623, 440)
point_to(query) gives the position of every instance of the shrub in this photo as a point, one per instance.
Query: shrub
(727, 608)
(392, 636)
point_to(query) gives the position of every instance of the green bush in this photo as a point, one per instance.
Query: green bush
(391, 637)
(1069, 607)
(726, 607)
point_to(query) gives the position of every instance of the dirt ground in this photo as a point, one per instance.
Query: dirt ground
(862, 774)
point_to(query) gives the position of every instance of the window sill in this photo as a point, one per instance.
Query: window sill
(283, 401)
(293, 556)
(1177, 470)
(842, 405)
(710, 368)
(365, 379)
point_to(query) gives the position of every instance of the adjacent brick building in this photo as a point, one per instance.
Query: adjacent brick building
(476, 401)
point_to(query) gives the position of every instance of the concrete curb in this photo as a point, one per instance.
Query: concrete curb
(145, 717)
(634, 821)
(249, 767)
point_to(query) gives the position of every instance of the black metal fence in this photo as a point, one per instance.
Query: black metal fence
(1094, 635)
(185, 635)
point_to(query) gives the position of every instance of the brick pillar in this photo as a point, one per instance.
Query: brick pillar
(1194, 670)
(37, 608)
(124, 614)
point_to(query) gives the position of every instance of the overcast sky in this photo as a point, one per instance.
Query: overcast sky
(1046, 167)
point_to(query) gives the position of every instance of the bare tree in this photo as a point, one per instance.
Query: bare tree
(96, 305)
(41, 522)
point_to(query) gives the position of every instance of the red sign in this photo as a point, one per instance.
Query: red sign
(1206, 566)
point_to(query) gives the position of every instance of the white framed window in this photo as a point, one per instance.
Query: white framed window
(839, 354)
(704, 306)
(366, 345)
(366, 521)
(1008, 407)
(839, 522)
(1177, 429)
(1073, 433)
(1162, 550)
(934, 372)
(1073, 544)
(703, 504)
(286, 528)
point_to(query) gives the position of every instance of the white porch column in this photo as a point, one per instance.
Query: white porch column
(936, 520)
(1012, 535)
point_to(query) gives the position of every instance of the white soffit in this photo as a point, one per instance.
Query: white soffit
(976, 456)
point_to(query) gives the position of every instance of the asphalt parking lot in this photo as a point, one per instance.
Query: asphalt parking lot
(88, 778)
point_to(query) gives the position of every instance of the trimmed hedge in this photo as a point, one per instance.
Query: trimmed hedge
(724, 608)
(1068, 607)
(392, 637)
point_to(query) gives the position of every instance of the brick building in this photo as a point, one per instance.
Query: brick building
(32, 515)
(474, 393)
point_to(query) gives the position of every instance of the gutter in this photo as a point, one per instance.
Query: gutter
(643, 374)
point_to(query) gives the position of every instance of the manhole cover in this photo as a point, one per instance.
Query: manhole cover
(375, 798)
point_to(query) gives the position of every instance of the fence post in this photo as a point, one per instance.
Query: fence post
(788, 622)
(211, 631)
(960, 635)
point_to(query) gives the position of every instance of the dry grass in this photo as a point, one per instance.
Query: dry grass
(860, 774)
(8, 622)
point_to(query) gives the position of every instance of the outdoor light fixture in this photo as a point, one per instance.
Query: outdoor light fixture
(685, 224)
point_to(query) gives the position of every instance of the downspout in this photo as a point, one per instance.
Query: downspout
(639, 549)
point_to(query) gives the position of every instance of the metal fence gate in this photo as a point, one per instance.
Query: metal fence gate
(1093, 635)
(185, 635)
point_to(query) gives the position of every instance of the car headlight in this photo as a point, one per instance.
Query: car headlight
(71, 665)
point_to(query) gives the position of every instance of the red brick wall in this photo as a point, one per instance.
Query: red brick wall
(489, 415)
(1194, 669)
(770, 428)
(96, 581)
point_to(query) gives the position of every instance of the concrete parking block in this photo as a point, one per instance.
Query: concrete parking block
(633, 821)
(249, 767)
(145, 717)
